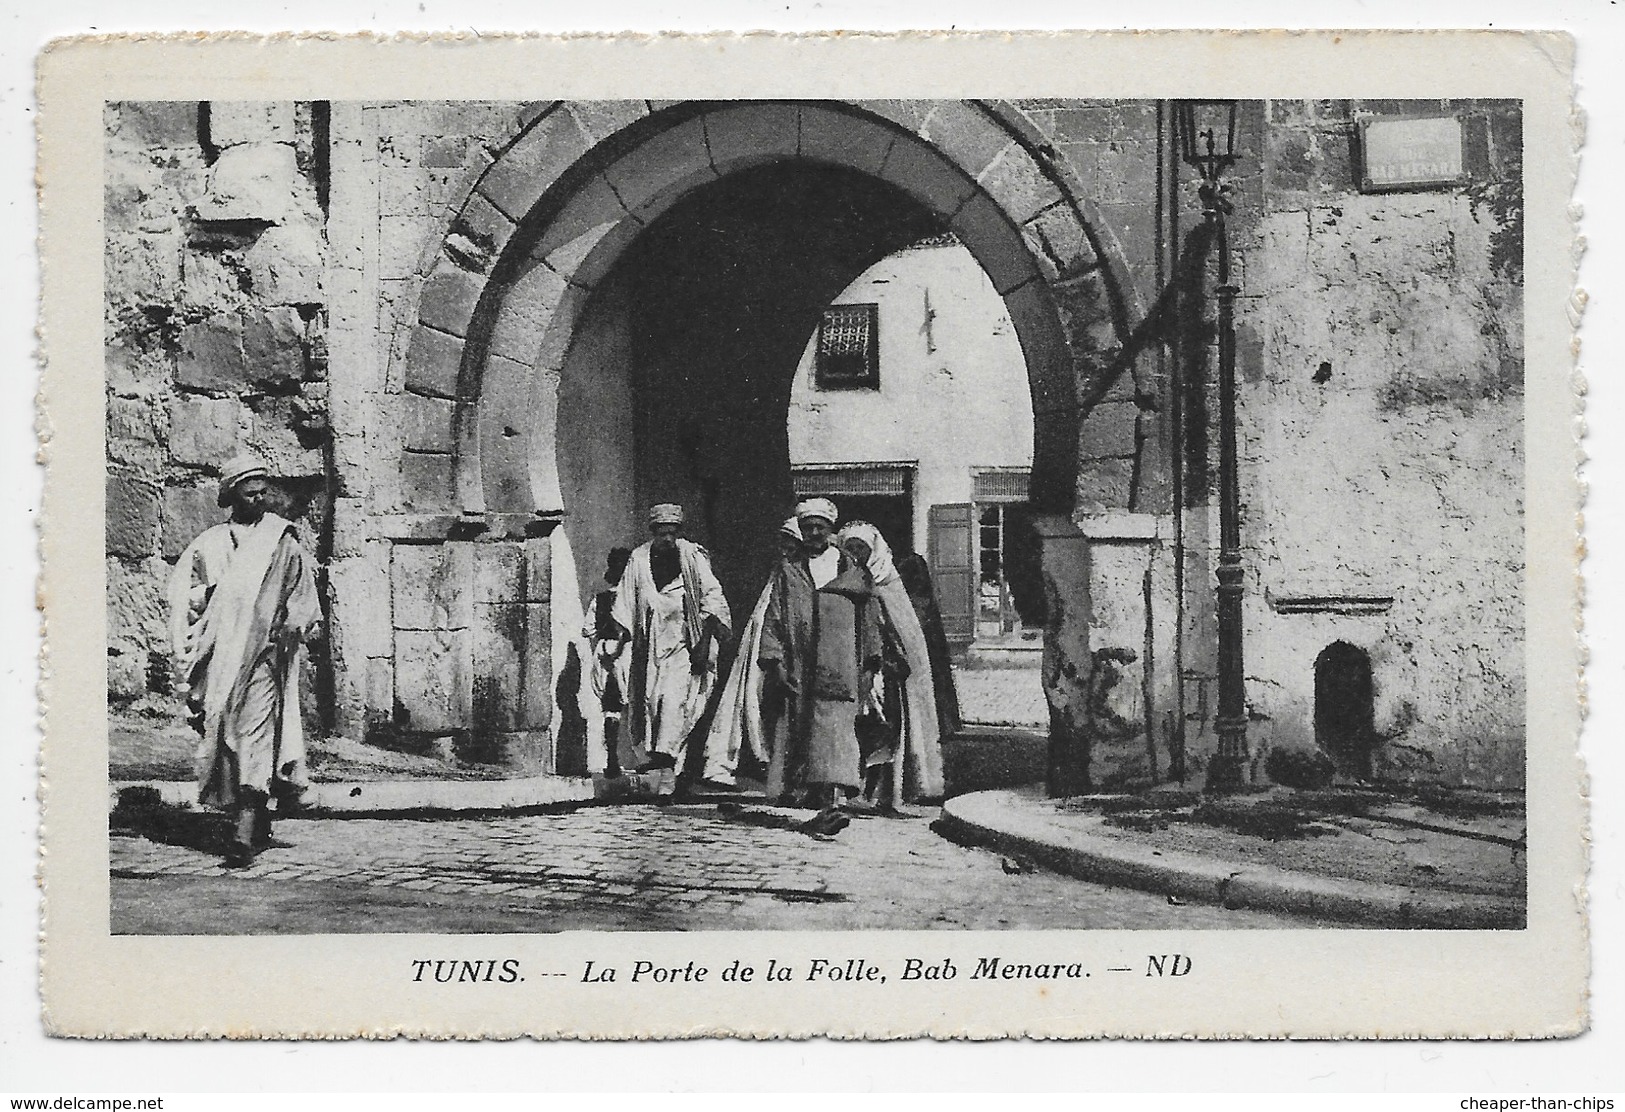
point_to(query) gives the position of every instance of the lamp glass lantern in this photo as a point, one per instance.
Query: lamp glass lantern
(1207, 135)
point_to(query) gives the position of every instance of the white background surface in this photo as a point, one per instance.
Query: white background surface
(33, 1064)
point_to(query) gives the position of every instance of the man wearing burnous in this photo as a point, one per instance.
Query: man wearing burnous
(671, 608)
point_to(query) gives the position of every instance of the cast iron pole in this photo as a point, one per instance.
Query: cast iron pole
(1225, 771)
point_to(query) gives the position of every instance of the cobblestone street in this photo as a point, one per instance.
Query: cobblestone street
(632, 867)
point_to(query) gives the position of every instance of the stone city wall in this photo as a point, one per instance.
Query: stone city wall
(216, 319)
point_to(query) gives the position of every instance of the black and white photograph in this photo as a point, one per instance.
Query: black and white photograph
(983, 516)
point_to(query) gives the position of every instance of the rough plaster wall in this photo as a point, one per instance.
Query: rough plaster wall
(216, 340)
(1382, 452)
(953, 392)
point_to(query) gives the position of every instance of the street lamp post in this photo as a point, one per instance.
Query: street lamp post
(1208, 143)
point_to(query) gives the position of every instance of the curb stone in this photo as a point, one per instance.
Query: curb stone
(1003, 820)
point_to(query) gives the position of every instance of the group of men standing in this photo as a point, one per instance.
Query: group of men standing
(830, 701)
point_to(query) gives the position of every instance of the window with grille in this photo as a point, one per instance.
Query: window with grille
(848, 348)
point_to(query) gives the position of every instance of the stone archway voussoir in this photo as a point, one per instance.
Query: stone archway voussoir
(645, 178)
(1019, 184)
(982, 226)
(517, 180)
(433, 362)
(965, 135)
(1043, 346)
(527, 306)
(843, 140)
(752, 134)
(486, 230)
(559, 332)
(507, 402)
(448, 298)
(923, 175)
(1060, 243)
(593, 207)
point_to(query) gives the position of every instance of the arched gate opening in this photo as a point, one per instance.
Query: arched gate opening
(620, 312)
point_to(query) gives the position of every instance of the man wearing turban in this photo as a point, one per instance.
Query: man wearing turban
(674, 615)
(743, 726)
(242, 602)
(821, 646)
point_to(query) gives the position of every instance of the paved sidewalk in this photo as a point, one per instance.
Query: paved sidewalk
(616, 867)
(1363, 857)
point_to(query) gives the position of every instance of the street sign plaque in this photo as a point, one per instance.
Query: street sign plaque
(1410, 153)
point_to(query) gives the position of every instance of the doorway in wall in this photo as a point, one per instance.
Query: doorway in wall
(1344, 715)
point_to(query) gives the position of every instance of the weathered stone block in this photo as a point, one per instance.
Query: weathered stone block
(753, 133)
(380, 696)
(142, 269)
(446, 151)
(136, 371)
(253, 182)
(506, 402)
(537, 711)
(428, 481)
(586, 259)
(1082, 302)
(1110, 430)
(274, 347)
(135, 432)
(285, 265)
(646, 178)
(210, 283)
(210, 354)
(1058, 236)
(478, 235)
(132, 517)
(274, 433)
(593, 207)
(433, 362)
(1018, 184)
(187, 511)
(431, 585)
(830, 136)
(988, 234)
(526, 310)
(966, 135)
(538, 569)
(158, 123)
(428, 423)
(1105, 484)
(499, 666)
(519, 178)
(203, 430)
(449, 297)
(362, 608)
(235, 122)
(433, 681)
(499, 573)
(924, 175)
(126, 671)
(910, 115)
(136, 611)
(600, 119)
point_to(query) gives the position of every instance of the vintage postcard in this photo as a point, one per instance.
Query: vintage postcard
(942, 535)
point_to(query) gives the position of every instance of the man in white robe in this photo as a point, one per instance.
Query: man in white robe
(672, 609)
(242, 602)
